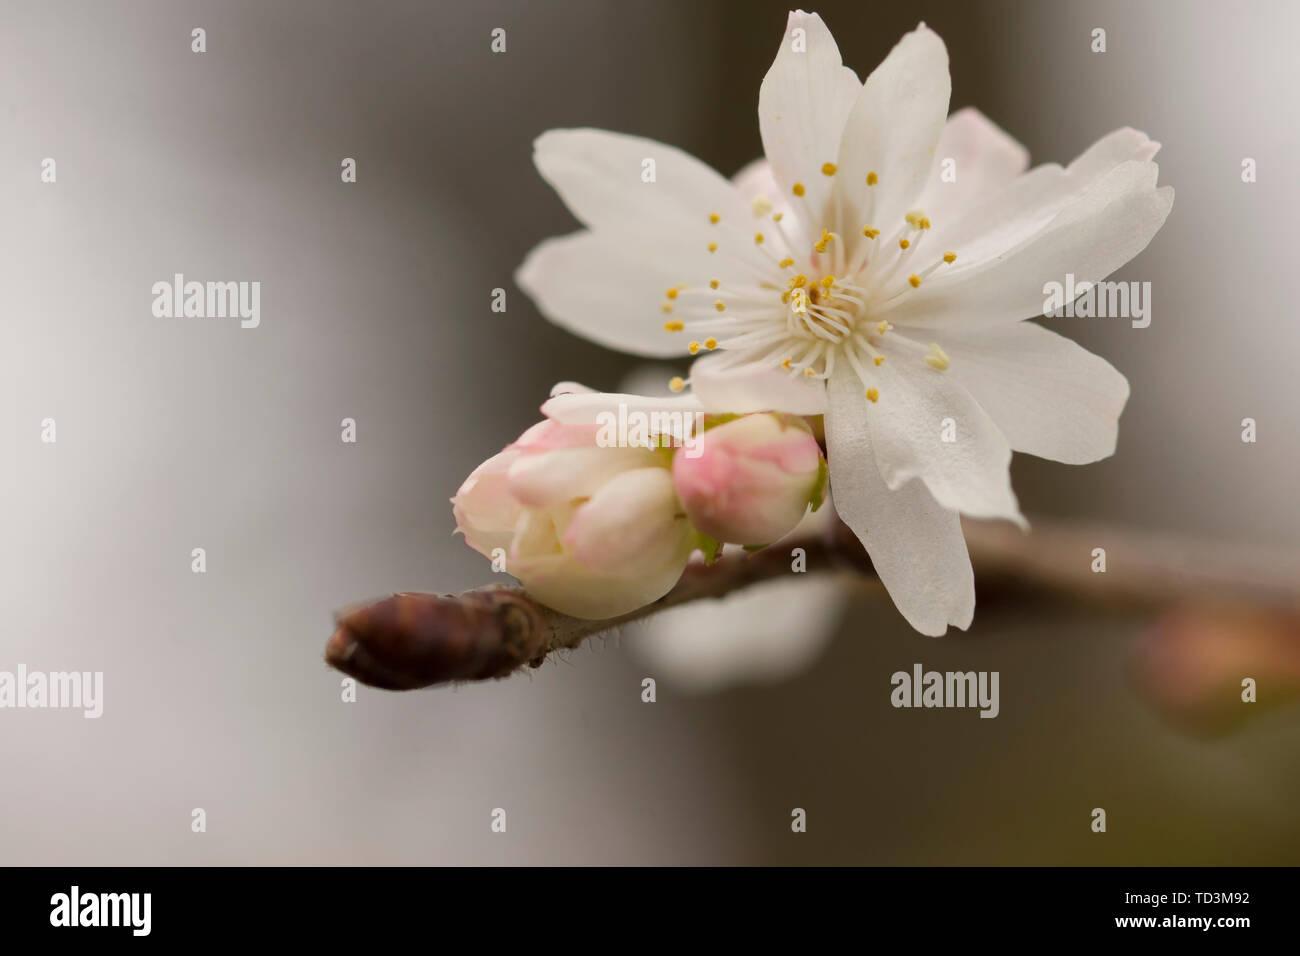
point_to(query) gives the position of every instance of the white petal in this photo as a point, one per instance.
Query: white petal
(555, 477)
(601, 178)
(747, 389)
(984, 160)
(587, 408)
(1049, 396)
(917, 408)
(893, 131)
(606, 291)
(803, 103)
(1090, 238)
(915, 543)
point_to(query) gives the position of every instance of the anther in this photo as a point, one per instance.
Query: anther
(873, 394)
(828, 169)
(673, 326)
(676, 384)
(798, 189)
(937, 359)
(872, 179)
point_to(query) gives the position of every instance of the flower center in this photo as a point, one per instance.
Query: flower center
(816, 300)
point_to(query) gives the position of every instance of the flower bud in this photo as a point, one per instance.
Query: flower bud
(751, 479)
(590, 531)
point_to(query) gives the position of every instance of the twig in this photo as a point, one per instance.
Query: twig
(412, 640)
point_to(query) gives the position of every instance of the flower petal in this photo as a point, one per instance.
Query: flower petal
(606, 291)
(602, 178)
(1049, 396)
(917, 409)
(803, 104)
(984, 160)
(915, 544)
(722, 388)
(1090, 238)
(588, 408)
(892, 131)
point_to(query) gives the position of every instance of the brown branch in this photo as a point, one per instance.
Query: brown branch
(411, 640)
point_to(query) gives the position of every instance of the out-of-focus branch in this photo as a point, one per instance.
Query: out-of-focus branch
(410, 640)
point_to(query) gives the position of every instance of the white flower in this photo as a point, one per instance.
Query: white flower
(843, 276)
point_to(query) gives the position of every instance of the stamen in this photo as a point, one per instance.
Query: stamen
(869, 232)
(761, 206)
(672, 293)
(915, 280)
(758, 238)
(950, 257)
(674, 326)
(720, 306)
(786, 263)
(878, 360)
(828, 169)
(710, 343)
(713, 247)
(676, 383)
(873, 394)
(798, 189)
(872, 179)
(693, 348)
(904, 243)
(713, 283)
(937, 359)
(714, 218)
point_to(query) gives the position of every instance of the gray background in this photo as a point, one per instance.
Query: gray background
(175, 434)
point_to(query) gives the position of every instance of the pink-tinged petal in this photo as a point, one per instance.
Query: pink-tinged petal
(915, 544)
(1090, 238)
(803, 104)
(984, 161)
(484, 509)
(1049, 396)
(632, 527)
(555, 477)
(892, 131)
(918, 410)
(722, 388)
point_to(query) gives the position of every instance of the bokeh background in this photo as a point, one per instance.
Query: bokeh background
(176, 434)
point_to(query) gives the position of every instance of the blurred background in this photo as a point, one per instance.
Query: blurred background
(177, 434)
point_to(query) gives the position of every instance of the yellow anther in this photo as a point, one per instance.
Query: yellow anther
(666, 308)
(693, 348)
(713, 247)
(761, 206)
(882, 327)
(778, 216)
(910, 218)
(786, 364)
(714, 218)
(785, 298)
(786, 263)
(799, 281)
(869, 232)
(671, 293)
(798, 189)
(673, 326)
(710, 344)
(713, 283)
(808, 373)
(758, 238)
(813, 294)
(915, 280)
(820, 246)
(827, 281)
(923, 223)
(879, 360)
(903, 243)
(937, 359)
(720, 306)
(873, 394)
(676, 384)
(872, 179)
(950, 257)
(828, 169)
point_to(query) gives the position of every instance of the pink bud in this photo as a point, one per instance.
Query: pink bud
(751, 480)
